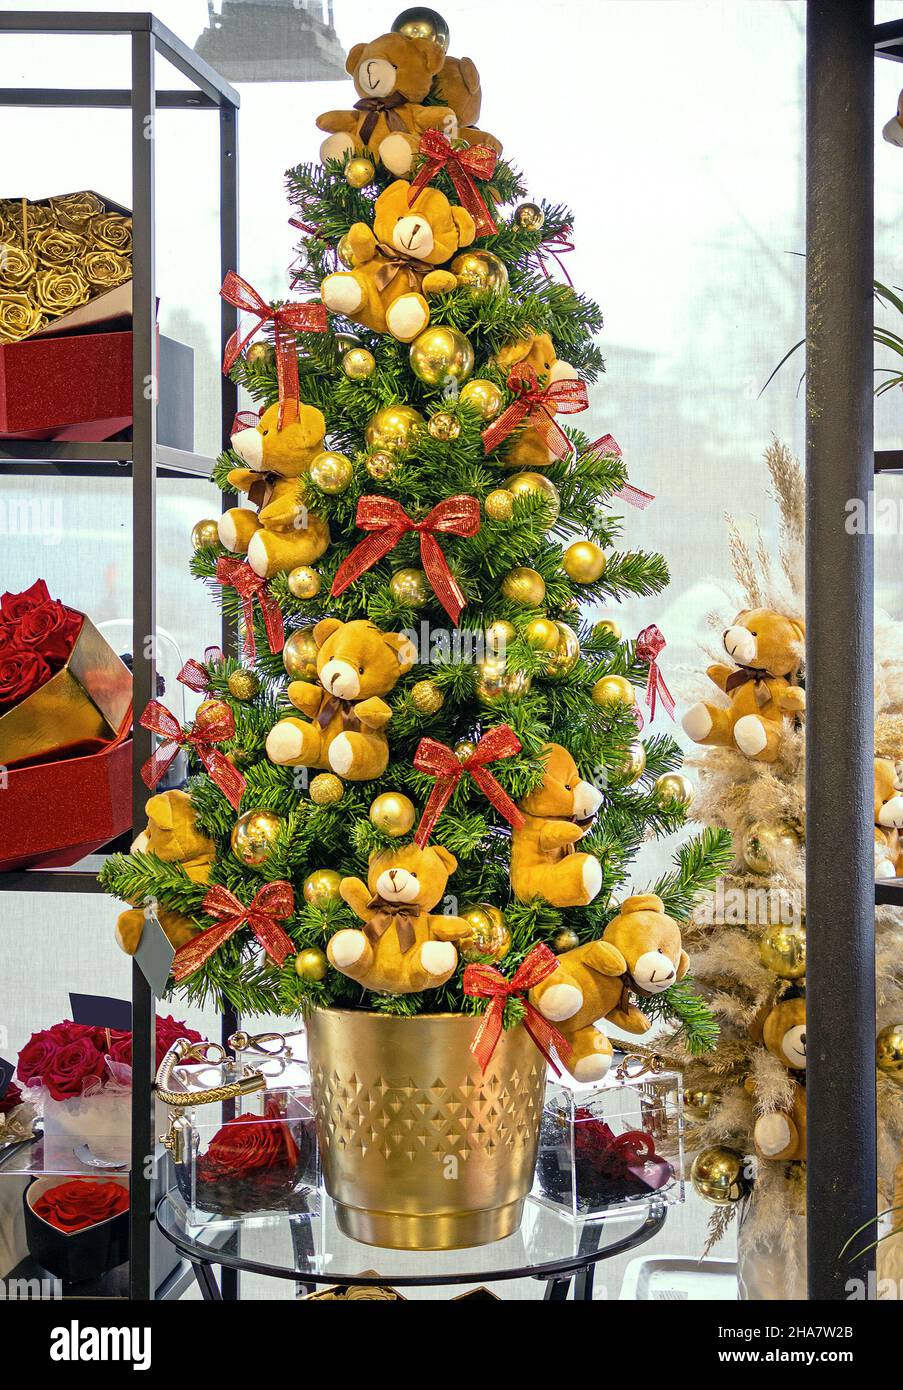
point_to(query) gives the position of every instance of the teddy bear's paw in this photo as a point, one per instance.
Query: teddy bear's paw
(237, 528)
(141, 844)
(338, 146)
(772, 1134)
(750, 735)
(397, 154)
(884, 868)
(286, 742)
(592, 877)
(592, 1068)
(346, 948)
(341, 755)
(438, 957)
(697, 723)
(560, 1002)
(407, 317)
(341, 293)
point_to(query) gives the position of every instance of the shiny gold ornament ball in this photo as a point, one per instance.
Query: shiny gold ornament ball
(326, 789)
(304, 582)
(419, 22)
(700, 1103)
(565, 940)
(480, 271)
(482, 396)
(322, 887)
(766, 842)
(566, 653)
(674, 786)
(782, 949)
(632, 765)
(254, 837)
(542, 634)
(243, 685)
(359, 172)
(299, 655)
(392, 427)
(204, 532)
(499, 505)
(499, 635)
(261, 356)
(718, 1176)
(530, 217)
(393, 813)
(584, 562)
(410, 587)
(345, 253)
(889, 1051)
(464, 749)
(489, 934)
(311, 964)
(537, 485)
(496, 682)
(613, 690)
(358, 364)
(440, 355)
(444, 427)
(524, 586)
(331, 472)
(427, 698)
(380, 465)
(608, 627)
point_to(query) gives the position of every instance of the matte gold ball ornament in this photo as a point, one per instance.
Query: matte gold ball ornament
(359, 171)
(674, 786)
(440, 355)
(607, 627)
(299, 655)
(331, 472)
(537, 485)
(322, 887)
(243, 685)
(524, 586)
(767, 842)
(543, 634)
(261, 356)
(633, 764)
(326, 789)
(311, 964)
(613, 690)
(393, 813)
(699, 1104)
(204, 533)
(782, 949)
(489, 934)
(427, 698)
(410, 587)
(566, 653)
(889, 1051)
(419, 22)
(584, 562)
(380, 465)
(304, 582)
(499, 505)
(565, 940)
(480, 271)
(358, 364)
(392, 428)
(444, 427)
(482, 396)
(529, 217)
(254, 837)
(718, 1175)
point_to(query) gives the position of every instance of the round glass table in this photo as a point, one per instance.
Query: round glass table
(308, 1248)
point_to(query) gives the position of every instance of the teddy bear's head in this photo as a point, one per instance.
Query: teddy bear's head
(433, 230)
(562, 794)
(784, 1033)
(171, 833)
(411, 874)
(287, 452)
(356, 660)
(458, 86)
(536, 350)
(649, 942)
(766, 641)
(888, 795)
(395, 63)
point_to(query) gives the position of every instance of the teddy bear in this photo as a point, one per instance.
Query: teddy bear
(781, 1134)
(457, 84)
(282, 533)
(528, 448)
(404, 946)
(392, 76)
(172, 835)
(557, 815)
(397, 262)
(766, 649)
(345, 714)
(639, 951)
(888, 819)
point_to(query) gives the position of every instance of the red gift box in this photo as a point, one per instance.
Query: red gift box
(47, 384)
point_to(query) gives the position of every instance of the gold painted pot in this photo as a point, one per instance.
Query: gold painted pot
(420, 1150)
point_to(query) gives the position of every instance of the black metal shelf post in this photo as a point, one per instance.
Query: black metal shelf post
(142, 459)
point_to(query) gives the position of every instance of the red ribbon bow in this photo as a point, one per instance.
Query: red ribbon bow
(556, 247)
(485, 982)
(270, 905)
(288, 321)
(248, 585)
(648, 646)
(627, 492)
(440, 762)
(388, 521)
(214, 723)
(462, 167)
(195, 675)
(538, 406)
(246, 420)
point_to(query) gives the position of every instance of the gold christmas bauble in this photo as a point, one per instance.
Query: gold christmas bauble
(311, 964)
(524, 586)
(254, 836)
(480, 271)
(699, 1103)
(299, 655)
(427, 698)
(204, 532)
(529, 217)
(499, 635)
(584, 562)
(304, 582)
(499, 505)
(345, 253)
(358, 364)
(565, 940)
(489, 934)
(613, 690)
(674, 786)
(392, 427)
(326, 789)
(464, 749)
(393, 813)
(243, 685)
(331, 472)
(359, 171)
(322, 887)
(496, 682)
(632, 765)
(419, 22)
(566, 653)
(444, 427)
(782, 949)
(261, 356)
(609, 627)
(440, 355)
(380, 465)
(410, 587)
(766, 842)
(537, 484)
(482, 396)
(542, 634)
(889, 1051)
(718, 1175)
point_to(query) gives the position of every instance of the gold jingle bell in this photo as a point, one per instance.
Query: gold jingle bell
(613, 690)
(410, 587)
(331, 472)
(566, 653)
(607, 627)
(204, 533)
(767, 842)
(299, 655)
(441, 354)
(529, 217)
(304, 582)
(584, 562)
(480, 271)
(322, 886)
(499, 505)
(358, 364)
(489, 934)
(254, 836)
(537, 485)
(482, 396)
(632, 765)
(700, 1103)
(674, 786)
(782, 949)
(718, 1175)
(359, 171)
(419, 22)
(311, 964)
(243, 685)
(392, 427)
(889, 1051)
(427, 698)
(524, 586)
(393, 813)
(326, 789)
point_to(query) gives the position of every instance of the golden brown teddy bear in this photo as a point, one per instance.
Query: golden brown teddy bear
(457, 84)
(528, 449)
(282, 534)
(888, 819)
(396, 262)
(403, 947)
(392, 75)
(639, 950)
(767, 649)
(172, 835)
(345, 716)
(557, 814)
(781, 1134)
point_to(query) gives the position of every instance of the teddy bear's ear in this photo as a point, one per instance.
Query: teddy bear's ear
(325, 628)
(799, 627)
(683, 964)
(433, 56)
(469, 75)
(403, 647)
(642, 902)
(354, 57)
(515, 352)
(465, 225)
(159, 810)
(446, 856)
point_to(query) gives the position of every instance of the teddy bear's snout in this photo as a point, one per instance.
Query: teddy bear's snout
(587, 800)
(794, 1046)
(414, 236)
(248, 444)
(340, 678)
(891, 814)
(654, 972)
(741, 645)
(377, 77)
(398, 885)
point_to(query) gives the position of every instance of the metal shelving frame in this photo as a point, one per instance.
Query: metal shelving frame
(142, 460)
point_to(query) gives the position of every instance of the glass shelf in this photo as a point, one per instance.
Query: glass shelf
(38, 1159)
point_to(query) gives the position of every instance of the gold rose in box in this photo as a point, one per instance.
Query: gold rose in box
(65, 263)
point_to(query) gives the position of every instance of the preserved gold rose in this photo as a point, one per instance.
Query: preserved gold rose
(18, 317)
(73, 210)
(59, 291)
(26, 217)
(105, 269)
(111, 231)
(17, 266)
(55, 246)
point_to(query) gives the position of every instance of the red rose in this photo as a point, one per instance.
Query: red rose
(71, 1067)
(245, 1143)
(120, 1048)
(169, 1031)
(51, 630)
(35, 1056)
(10, 1099)
(81, 1202)
(15, 606)
(21, 673)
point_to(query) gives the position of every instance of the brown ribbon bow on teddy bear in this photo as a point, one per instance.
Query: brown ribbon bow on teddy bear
(401, 916)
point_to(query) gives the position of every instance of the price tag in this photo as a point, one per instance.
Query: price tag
(154, 955)
(100, 1011)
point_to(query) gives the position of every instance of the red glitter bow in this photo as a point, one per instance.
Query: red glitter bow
(648, 646)
(440, 762)
(388, 521)
(288, 321)
(627, 493)
(195, 675)
(462, 167)
(232, 570)
(246, 420)
(556, 247)
(538, 406)
(485, 982)
(270, 905)
(214, 723)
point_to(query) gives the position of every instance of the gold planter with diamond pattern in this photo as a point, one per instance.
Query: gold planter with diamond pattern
(420, 1150)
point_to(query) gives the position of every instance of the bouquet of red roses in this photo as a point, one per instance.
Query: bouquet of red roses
(77, 1059)
(37, 634)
